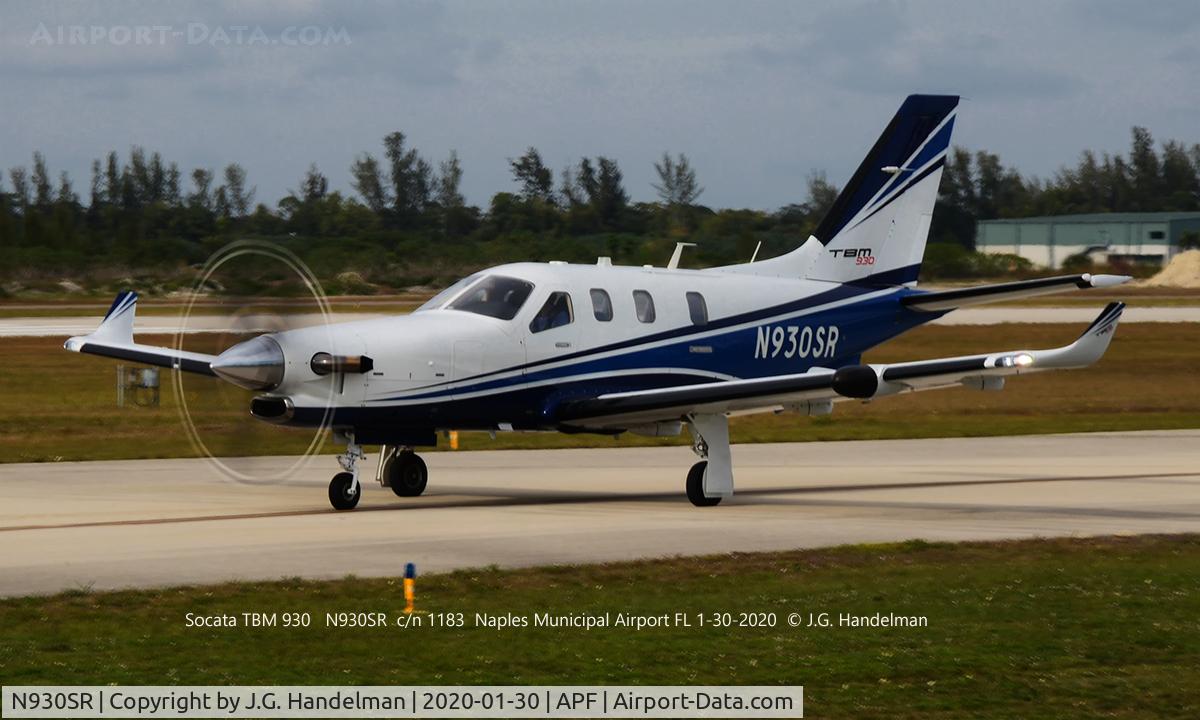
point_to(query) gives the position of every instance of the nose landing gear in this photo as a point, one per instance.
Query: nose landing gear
(345, 489)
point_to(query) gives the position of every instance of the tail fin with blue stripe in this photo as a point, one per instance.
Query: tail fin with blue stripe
(876, 230)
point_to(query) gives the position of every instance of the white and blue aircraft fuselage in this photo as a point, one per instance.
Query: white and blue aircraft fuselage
(651, 350)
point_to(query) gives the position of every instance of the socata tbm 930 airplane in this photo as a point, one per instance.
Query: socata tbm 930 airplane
(607, 349)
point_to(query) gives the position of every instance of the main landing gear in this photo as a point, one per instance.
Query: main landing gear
(695, 486)
(710, 480)
(400, 468)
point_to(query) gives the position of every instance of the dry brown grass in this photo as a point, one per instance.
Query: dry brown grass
(61, 406)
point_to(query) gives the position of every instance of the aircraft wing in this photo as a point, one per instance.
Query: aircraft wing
(822, 386)
(963, 297)
(114, 338)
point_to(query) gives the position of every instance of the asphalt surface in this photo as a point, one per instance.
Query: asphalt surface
(166, 522)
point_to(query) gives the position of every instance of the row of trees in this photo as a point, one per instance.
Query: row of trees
(979, 187)
(141, 210)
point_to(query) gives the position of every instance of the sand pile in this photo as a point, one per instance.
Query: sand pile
(1183, 271)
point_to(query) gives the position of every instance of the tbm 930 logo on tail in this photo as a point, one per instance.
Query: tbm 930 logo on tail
(795, 341)
(861, 256)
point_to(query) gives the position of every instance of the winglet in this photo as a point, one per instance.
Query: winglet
(1105, 322)
(1090, 346)
(117, 325)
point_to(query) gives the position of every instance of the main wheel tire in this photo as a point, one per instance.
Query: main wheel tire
(407, 474)
(340, 496)
(695, 486)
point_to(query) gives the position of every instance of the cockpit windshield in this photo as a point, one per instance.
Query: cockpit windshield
(495, 296)
(441, 298)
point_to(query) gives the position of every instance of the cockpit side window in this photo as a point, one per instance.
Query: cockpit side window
(495, 296)
(555, 313)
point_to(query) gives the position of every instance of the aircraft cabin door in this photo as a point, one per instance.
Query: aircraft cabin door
(554, 330)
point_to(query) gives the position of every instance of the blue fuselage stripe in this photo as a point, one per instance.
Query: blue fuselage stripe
(675, 355)
(834, 294)
(529, 400)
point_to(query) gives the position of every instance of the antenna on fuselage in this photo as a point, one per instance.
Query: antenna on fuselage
(756, 249)
(679, 246)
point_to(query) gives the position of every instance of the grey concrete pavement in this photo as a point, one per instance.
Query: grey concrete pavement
(164, 522)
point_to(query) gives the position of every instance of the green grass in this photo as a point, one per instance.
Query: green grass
(62, 405)
(1070, 628)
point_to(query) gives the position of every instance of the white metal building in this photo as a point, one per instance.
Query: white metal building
(1048, 241)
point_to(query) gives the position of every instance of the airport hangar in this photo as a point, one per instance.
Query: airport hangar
(1132, 237)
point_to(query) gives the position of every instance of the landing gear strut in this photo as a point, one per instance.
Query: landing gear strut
(710, 480)
(344, 488)
(403, 471)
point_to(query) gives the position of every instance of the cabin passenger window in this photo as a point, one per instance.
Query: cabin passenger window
(697, 308)
(495, 296)
(601, 305)
(644, 304)
(555, 313)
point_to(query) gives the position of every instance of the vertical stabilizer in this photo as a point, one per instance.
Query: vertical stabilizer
(876, 230)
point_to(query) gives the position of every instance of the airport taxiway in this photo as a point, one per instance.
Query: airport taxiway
(166, 522)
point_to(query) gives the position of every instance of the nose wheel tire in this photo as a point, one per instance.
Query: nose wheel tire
(695, 486)
(344, 492)
(407, 474)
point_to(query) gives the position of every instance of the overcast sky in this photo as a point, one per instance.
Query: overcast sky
(758, 94)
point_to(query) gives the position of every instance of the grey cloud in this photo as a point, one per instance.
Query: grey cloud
(874, 48)
(756, 93)
(1160, 17)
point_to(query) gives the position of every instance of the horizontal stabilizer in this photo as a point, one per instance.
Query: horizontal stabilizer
(114, 339)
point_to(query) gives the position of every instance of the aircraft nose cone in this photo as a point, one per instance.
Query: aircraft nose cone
(255, 364)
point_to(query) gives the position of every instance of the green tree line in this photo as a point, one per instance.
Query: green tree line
(407, 222)
(979, 187)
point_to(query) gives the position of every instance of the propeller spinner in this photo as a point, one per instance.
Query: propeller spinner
(256, 364)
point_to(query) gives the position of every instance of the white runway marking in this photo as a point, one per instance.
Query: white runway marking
(166, 522)
(1070, 315)
(164, 325)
